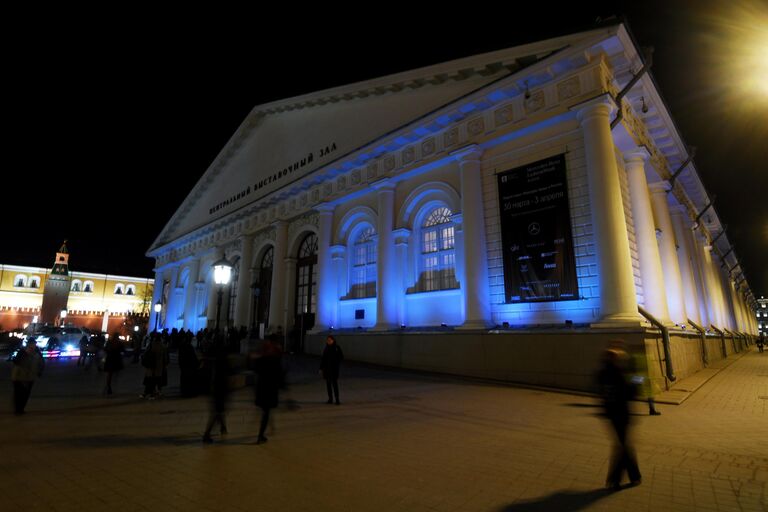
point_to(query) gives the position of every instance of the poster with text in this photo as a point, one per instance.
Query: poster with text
(537, 244)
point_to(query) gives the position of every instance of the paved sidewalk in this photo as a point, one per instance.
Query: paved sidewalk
(399, 442)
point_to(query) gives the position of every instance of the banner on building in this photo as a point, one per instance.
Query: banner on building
(537, 245)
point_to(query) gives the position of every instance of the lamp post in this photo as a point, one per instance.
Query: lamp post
(158, 309)
(63, 317)
(222, 272)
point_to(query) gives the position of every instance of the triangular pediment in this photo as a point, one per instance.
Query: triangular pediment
(287, 140)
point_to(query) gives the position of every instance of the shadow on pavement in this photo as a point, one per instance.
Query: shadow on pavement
(561, 501)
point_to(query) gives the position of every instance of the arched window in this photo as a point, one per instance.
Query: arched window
(306, 276)
(88, 287)
(119, 289)
(363, 278)
(20, 281)
(438, 256)
(34, 282)
(76, 285)
(130, 290)
(265, 287)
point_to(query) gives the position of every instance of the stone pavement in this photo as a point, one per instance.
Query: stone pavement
(400, 441)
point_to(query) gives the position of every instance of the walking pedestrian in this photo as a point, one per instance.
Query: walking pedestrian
(761, 342)
(28, 365)
(219, 390)
(113, 361)
(269, 373)
(645, 387)
(617, 391)
(329, 368)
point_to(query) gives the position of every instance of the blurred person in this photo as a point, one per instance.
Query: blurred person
(617, 390)
(219, 389)
(113, 361)
(640, 379)
(269, 379)
(329, 368)
(28, 365)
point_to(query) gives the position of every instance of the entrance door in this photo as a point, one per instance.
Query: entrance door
(306, 296)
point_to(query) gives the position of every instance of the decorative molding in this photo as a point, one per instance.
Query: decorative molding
(356, 177)
(476, 126)
(535, 102)
(428, 147)
(504, 115)
(409, 155)
(451, 137)
(568, 88)
(389, 163)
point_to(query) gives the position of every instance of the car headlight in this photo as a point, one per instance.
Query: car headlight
(69, 347)
(42, 341)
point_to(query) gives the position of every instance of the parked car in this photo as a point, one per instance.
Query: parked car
(61, 341)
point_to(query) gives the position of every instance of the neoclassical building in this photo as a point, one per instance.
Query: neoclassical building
(502, 215)
(97, 301)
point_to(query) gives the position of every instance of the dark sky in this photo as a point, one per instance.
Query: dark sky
(109, 124)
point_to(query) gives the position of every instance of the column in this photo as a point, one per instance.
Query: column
(213, 291)
(190, 313)
(645, 233)
(706, 310)
(386, 283)
(668, 253)
(245, 279)
(157, 293)
(277, 305)
(618, 302)
(682, 226)
(326, 280)
(402, 270)
(477, 306)
(171, 310)
(713, 287)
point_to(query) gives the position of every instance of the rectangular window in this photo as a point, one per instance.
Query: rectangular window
(430, 242)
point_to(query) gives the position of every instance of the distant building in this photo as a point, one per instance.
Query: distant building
(762, 315)
(97, 301)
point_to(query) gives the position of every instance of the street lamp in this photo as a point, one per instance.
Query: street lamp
(63, 317)
(158, 309)
(222, 272)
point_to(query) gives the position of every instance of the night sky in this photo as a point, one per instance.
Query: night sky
(109, 124)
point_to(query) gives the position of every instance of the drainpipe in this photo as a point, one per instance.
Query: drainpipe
(665, 339)
(618, 99)
(722, 340)
(703, 334)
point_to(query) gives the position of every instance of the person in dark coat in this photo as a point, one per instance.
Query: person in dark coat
(155, 361)
(189, 365)
(113, 361)
(269, 379)
(617, 390)
(219, 390)
(329, 368)
(28, 365)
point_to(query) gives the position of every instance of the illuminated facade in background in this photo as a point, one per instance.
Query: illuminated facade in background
(379, 207)
(762, 315)
(97, 301)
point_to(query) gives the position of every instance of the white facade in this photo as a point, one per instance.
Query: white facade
(394, 182)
